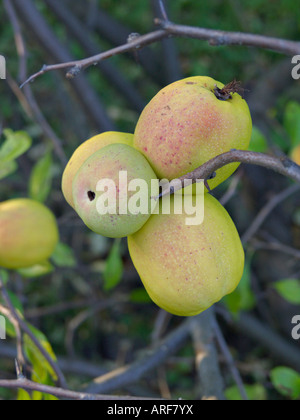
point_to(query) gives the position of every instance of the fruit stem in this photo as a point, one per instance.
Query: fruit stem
(226, 93)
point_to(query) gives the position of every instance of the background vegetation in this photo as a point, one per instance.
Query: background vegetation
(88, 301)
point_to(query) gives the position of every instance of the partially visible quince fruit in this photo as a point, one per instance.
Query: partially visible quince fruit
(295, 154)
(84, 151)
(186, 269)
(28, 233)
(190, 122)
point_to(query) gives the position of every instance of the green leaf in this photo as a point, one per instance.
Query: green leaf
(291, 122)
(37, 270)
(242, 299)
(37, 396)
(63, 256)
(258, 141)
(254, 393)
(15, 145)
(48, 397)
(8, 168)
(40, 365)
(16, 303)
(286, 381)
(40, 181)
(279, 140)
(113, 268)
(289, 289)
(23, 395)
(140, 295)
(4, 276)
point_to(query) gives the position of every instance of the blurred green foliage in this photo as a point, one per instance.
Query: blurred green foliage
(85, 269)
(287, 382)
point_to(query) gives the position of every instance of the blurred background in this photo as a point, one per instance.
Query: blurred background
(89, 302)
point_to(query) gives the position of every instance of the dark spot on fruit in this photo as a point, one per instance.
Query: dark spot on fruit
(190, 83)
(91, 195)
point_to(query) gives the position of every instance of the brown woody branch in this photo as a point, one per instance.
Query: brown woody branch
(65, 394)
(169, 29)
(219, 38)
(282, 165)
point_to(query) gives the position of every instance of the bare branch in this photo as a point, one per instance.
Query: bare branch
(283, 166)
(219, 38)
(163, 10)
(132, 373)
(232, 189)
(211, 383)
(66, 394)
(266, 210)
(276, 247)
(282, 349)
(214, 37)
(95, 59)
(170, 63)
(229, 359)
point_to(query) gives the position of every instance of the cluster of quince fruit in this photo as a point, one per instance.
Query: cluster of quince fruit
(185, 269)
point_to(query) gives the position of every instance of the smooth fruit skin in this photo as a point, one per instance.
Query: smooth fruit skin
(185, 125)
(28, 233)
(107, 164)
(84, 151)
(186, 269)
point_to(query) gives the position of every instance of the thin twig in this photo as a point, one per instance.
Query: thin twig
(214, 37)
(161, 322)
(170, 63)
(81, 317)
(231, 190)
(65, 394)
(163, 10)
(76, 367)
(229, 359)
(277, 247)
(219, 38)
(266, 210)
(20, 355)
(143, 40)
(282, 349)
